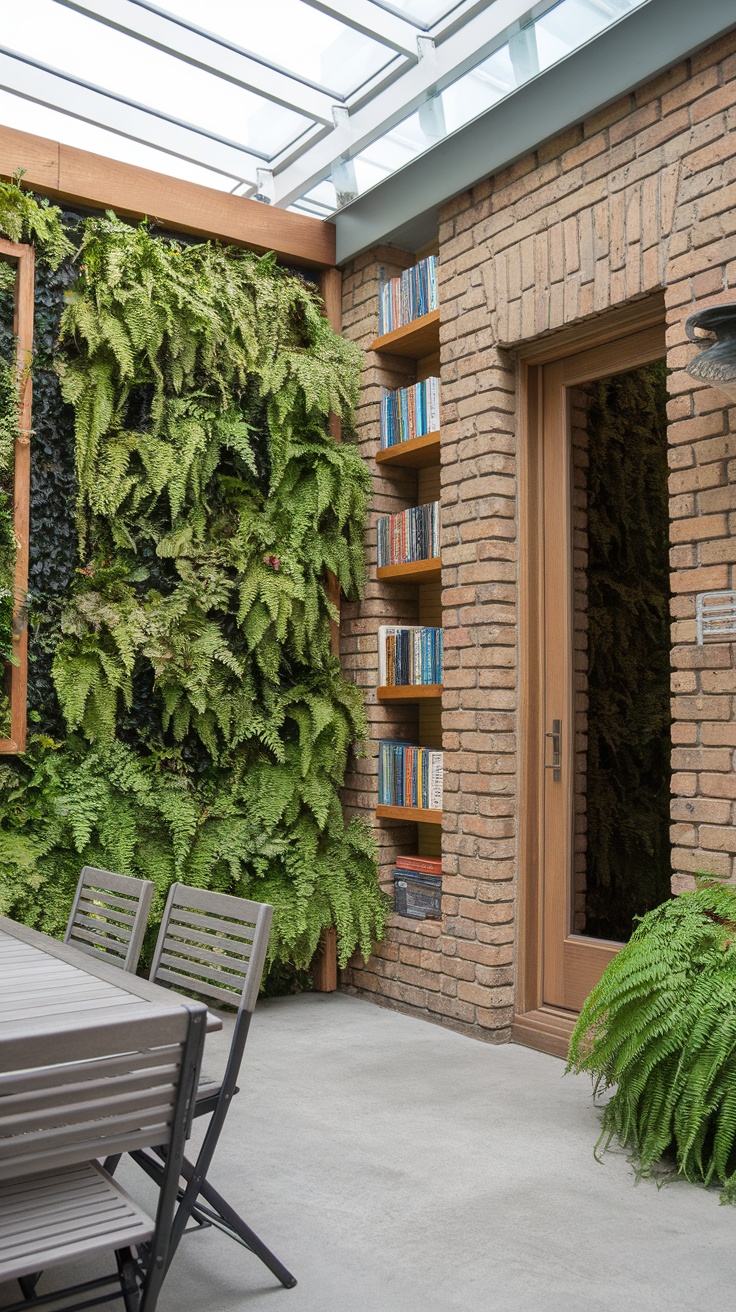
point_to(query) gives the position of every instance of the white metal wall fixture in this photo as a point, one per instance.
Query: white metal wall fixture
(715, 617)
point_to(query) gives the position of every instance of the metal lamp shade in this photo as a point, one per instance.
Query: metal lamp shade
(716, 363)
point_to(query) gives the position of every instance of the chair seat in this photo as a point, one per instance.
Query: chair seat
(209, 1087)
(48, 1219)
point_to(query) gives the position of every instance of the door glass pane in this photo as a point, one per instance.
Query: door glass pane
(621, 645)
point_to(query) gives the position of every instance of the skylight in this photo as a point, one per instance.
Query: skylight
(306, 104)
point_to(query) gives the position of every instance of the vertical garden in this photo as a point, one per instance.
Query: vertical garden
(188, 719)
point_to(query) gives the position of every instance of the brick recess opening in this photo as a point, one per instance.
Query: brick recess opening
(640, 197)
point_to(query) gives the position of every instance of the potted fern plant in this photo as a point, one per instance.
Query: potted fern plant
(660, 1030)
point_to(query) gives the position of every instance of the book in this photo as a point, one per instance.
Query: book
(410, 535)
(409, 775)
(410, 295)
(428, 865)
(409, 655)
(417, 895)
(410, 412)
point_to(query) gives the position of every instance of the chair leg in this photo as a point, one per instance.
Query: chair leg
(232, 1223)
(245, 1235)
(128, 1280)
(28, 1284)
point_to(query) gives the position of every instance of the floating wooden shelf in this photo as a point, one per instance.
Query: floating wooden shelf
(421, 571)
(412, 692)
(417, 814)
(416, 453)
(416, 339)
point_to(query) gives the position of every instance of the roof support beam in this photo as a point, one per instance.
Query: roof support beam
(209, 52)
(82, 178)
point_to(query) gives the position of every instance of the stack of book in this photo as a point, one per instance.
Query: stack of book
(418, 887)
(409, 296)
(409, 655)
(411, 535)
(410, 412)
(409, 775)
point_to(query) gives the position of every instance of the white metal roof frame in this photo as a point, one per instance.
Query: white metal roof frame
(420, 60)
(313, 132)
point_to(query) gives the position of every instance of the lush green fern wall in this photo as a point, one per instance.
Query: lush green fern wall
(187, 501)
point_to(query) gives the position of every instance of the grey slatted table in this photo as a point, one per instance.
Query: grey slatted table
(52, 988)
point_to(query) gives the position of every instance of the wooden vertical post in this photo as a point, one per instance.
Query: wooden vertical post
(23, 257)
(324, 966)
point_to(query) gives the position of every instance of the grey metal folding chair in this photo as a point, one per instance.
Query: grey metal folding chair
(214, 947)
(109, 914)
(136, 1081)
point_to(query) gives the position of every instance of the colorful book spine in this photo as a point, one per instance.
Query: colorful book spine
(410, 412)
(410, 535)
(426, 865)
(409, 775)
(409, 296)
(409, 655)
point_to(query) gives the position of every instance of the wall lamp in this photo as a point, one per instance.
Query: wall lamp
(716, 363)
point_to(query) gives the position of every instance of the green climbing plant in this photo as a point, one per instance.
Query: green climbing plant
(25, 217)
(206, 722)
(660, 1030)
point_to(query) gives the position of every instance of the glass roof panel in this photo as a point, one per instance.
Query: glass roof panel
(75, 44)
(424, 12)
(320, 202)
(26, 116)
(571, 23)
(299, 61)
(312, 45)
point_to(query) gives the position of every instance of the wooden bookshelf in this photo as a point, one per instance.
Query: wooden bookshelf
(411, 692)
(417, 708)
(415, 340)
(413, 571)
(416, 453)
(419, 814)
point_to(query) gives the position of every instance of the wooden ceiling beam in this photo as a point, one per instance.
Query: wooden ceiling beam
(79, 177)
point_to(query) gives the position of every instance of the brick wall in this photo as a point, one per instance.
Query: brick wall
(639, 197)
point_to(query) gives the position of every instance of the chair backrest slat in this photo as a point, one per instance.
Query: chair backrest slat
(55, 1111)
(212, 945)
(109, 915)
(215, 925)
(117, 919)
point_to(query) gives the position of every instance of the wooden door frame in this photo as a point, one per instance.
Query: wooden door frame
(535, 1024)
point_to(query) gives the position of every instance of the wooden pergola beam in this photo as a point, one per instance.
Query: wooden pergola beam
(80, 177)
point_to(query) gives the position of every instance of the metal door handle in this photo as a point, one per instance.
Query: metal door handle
(556, 763)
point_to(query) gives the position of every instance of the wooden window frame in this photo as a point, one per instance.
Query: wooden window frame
(17, 674)
(536, 1024)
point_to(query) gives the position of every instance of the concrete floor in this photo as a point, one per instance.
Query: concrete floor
(397, 1167)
